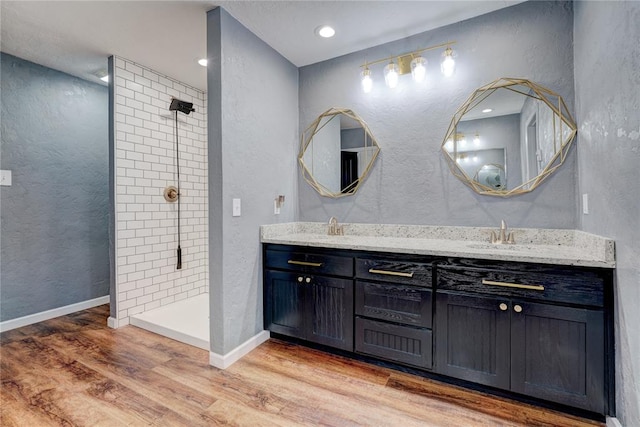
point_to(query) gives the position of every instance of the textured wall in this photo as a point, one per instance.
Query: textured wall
(145, 163)
(54, 217)
(253, 133)
(608, 116)
(411, 182)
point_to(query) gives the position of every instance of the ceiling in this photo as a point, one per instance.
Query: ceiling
(169, 36)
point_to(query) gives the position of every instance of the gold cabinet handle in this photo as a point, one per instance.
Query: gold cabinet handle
(308, 264)
(513, 285)
(503, 307)
(391, 273)
(517, 308)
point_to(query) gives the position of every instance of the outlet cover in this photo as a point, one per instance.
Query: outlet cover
(5, 178)
(585, 204)
(236, 207)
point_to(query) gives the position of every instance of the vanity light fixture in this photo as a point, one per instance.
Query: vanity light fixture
(418, 69)
(476, 139)
(391, 75)
(411, 62)
(367, 81)
(460, 143)
(461, 139)
(448, 64)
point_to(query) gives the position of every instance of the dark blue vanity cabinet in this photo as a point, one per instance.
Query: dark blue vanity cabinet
(531, 330)
(393, 307)
(309, 295)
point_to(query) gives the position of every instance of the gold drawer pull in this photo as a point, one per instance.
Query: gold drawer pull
(513, 285)
(308, 264)
(391, 273)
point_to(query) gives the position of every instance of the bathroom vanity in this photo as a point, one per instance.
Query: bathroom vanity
(533, 319)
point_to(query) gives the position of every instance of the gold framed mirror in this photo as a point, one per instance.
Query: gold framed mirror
(508, 137)
(337, 152)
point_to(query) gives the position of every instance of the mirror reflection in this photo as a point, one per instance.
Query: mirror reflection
(508, 137)
(337, 153)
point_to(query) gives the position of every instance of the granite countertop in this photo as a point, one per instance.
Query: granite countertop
(545, 246)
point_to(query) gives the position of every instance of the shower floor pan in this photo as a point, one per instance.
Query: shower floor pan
(186, 321)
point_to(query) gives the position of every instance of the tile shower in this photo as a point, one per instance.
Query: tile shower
(145, 232)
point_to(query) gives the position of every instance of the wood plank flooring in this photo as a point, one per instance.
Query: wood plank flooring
(75, 371)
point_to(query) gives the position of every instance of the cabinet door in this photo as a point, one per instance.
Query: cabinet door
(473, 338)
(330, 311)
(284, 303)
(558, 354)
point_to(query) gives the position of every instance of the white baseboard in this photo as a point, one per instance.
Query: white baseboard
(7, 325)
(115, 323)
(112, 322)
(224, 361)
(613, 422)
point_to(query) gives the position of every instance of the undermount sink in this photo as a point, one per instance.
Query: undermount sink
(505, 247)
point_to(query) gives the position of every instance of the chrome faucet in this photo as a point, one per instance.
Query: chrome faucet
(502, 237)
(334, 228)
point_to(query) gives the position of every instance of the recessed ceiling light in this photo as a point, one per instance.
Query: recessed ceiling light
(203, 62)
(325, 31)
(487, 110)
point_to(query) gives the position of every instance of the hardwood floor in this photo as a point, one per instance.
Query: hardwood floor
(75, 371)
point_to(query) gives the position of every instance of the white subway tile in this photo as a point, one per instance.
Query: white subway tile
(144, 299)
(121, 90)
(150, 75)
(146, 267)
(141, 97)
(152, 305)
(129, 66)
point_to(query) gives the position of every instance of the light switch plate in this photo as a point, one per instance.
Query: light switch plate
(585, 204)
(236, 207)
(5, 178)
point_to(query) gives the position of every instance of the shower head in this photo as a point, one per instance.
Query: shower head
(182, 106)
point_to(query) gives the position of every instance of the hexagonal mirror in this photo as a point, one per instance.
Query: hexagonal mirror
(508, 137)
(337, 152)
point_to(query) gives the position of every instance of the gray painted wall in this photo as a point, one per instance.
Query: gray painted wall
(608, 115)
(253, 135)
(55, 246)
(411, 183)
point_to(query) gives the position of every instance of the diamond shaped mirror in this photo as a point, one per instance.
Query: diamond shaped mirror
(337, 152)
(508, 137)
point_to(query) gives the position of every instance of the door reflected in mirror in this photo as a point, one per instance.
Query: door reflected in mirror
(337, 153)
(529, 126)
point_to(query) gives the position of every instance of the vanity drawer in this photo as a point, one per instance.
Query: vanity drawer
(404, 344)
(394, 303)
(396, 271)
(309, 262)
(573, 287)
